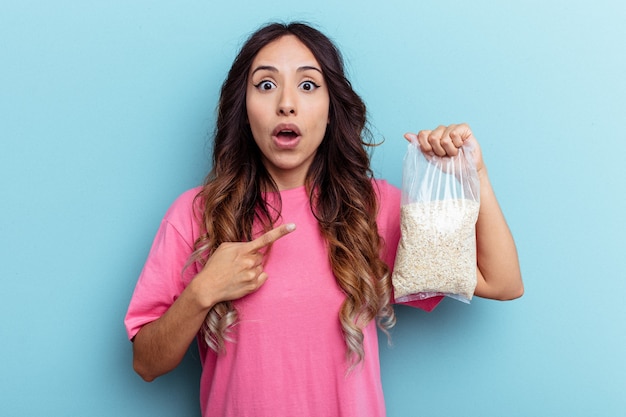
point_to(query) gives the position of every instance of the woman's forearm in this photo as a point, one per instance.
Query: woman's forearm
(161, 345)
(499, 275)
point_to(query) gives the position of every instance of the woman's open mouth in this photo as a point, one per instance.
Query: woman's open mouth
(286, 136)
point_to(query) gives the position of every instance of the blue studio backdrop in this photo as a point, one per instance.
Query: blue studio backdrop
(106, 111)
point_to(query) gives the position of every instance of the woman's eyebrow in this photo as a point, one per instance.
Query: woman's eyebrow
(274, 69)
(309, 67)
(264, 68)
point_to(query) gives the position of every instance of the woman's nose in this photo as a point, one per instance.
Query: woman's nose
(287, 103)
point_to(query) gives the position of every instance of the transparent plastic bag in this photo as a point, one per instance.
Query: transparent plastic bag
(437, 251)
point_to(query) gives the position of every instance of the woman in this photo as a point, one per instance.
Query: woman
(280, 263)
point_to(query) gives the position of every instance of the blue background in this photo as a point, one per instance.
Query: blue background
(106, 109)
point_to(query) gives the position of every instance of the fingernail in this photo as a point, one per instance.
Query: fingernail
(290, 227)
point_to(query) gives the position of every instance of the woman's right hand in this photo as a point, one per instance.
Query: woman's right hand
(235, 269)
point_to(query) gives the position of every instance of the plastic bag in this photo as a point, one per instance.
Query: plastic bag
(440, 202)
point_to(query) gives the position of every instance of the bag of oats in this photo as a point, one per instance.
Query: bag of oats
(437, 251)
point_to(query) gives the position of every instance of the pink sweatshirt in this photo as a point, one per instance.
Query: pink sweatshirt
(288, 354)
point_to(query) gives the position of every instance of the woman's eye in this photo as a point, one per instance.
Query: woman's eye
(265, 85)
(308, 86)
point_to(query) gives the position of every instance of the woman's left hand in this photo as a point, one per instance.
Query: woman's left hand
(446, 141)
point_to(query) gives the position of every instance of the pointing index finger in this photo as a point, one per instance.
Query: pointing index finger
(271, 236)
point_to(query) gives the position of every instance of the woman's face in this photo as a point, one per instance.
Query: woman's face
(287, 103)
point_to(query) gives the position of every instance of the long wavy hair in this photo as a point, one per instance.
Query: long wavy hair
(339, 183)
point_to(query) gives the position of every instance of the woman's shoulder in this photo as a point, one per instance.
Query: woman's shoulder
(186, 208)
(384, 189)
(388, 201)
(189, 196)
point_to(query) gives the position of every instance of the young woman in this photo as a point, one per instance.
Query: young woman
(280, 263)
